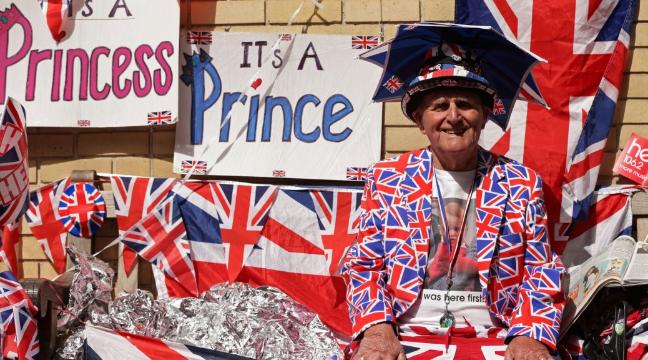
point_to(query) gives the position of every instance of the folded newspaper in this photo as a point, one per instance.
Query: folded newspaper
(623, 263)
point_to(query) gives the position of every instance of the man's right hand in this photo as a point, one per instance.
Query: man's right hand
(379, 342)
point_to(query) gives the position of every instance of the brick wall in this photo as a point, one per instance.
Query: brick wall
(54, 153)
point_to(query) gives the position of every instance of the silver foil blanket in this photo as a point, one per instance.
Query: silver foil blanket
(259, 323)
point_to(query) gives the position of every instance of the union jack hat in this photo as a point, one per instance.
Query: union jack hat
(423, 56)
(448, 65)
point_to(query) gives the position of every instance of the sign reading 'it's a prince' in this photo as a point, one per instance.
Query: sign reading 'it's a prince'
(277, 105)
(117, 65)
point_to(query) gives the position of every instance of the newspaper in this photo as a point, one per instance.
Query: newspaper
(624, 263)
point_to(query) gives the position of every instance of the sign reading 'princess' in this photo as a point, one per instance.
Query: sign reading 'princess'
(115, 66)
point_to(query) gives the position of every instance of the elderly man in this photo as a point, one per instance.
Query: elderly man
(452, 250)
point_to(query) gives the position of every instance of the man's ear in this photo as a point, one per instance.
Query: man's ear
(416, 117)
(486, 111)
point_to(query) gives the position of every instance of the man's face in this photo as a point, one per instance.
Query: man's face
(452, 119)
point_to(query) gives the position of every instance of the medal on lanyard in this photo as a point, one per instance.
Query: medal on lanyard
(447, 319)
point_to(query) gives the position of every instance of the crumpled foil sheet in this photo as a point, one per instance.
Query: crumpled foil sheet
(72, 346)
(90, 291)
(260, 323)
(90, 296)
(139, 313)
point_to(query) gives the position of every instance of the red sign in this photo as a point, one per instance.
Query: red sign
(633, 161)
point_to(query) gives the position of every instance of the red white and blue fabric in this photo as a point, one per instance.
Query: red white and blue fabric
(45, 223)
(289, 253)
(105, 344)
(10, 241)
(582, 80)
(82, 209)
(136, 197)
(338, 215)
(424, 347)
(161, 239)
(19, 335)
(385, 269)
(609, 217)
(242, 212)
(14, 165)
(56, 14)
(291, 256)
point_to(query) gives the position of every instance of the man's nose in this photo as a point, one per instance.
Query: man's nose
(453, 113)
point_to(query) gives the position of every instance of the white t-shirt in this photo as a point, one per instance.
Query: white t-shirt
(466, 300)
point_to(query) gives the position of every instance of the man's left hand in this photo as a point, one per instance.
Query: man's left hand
(526, 348)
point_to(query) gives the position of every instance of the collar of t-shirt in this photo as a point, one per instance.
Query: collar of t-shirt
(454, 184)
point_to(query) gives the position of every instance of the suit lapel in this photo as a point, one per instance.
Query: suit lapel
(491, 197)
(414, 192)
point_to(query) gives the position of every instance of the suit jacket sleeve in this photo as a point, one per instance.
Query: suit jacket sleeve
(540, 300)
(364, 268)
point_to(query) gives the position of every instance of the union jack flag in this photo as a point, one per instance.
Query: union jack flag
(198, 167)
(593, 49)
(242, 212)
(197, 203)
(10, 240)
(83, 123)
(278, 173)
(393, 84)
(199, 37)
(159, 118)
(338, 215)
(356, 173)
(161, 239)
(19, 335)
(45, 222)
(285, 37)
(364, 41)
(291, 256)
(136, 197)
(56, 16)
(14, 173)
(82, 209)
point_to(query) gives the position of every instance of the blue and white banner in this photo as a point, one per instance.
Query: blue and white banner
(277, 105)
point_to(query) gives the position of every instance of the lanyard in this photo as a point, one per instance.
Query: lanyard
(447, 320)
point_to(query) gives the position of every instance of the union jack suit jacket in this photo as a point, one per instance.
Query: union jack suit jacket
(519, 273)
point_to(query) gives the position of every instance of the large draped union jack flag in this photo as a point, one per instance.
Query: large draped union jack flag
(586, 44)
(242, 212)
(338, 215)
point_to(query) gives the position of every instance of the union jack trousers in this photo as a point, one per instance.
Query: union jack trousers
(519, 273)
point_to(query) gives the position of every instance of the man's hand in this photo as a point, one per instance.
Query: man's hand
(379, 342)
(526, 348)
